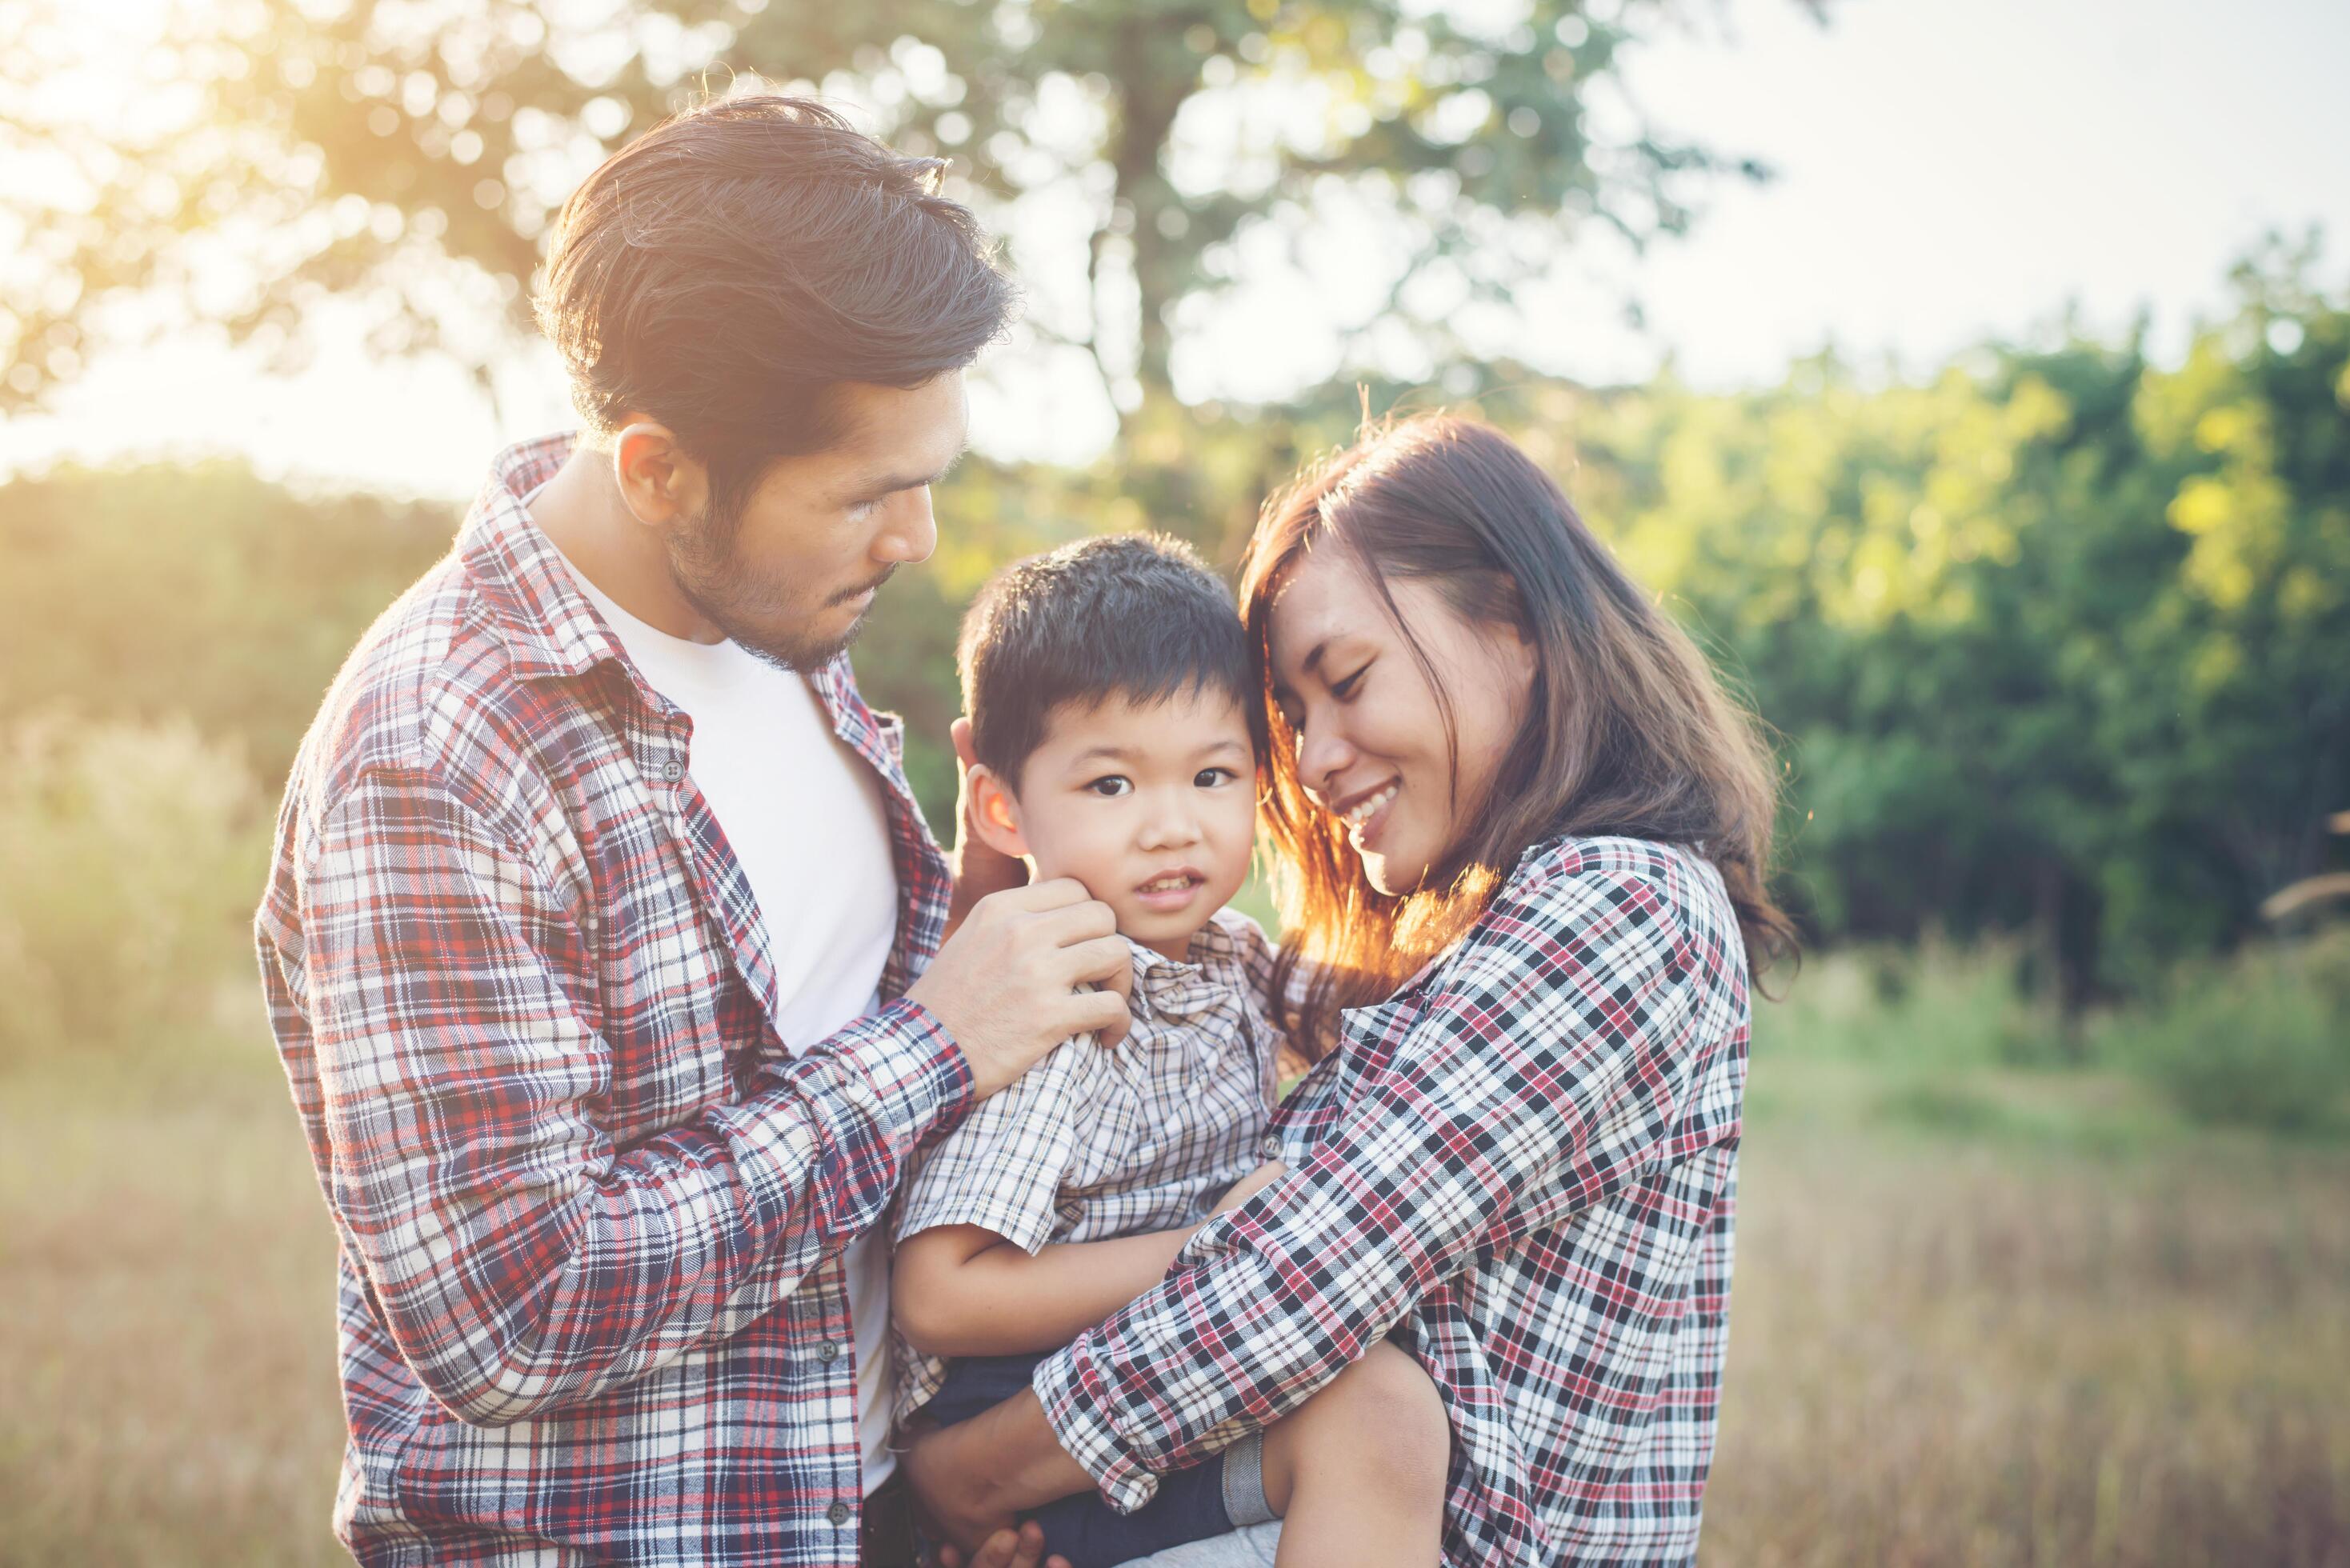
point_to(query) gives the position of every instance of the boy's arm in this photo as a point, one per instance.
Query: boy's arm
(962, 1290)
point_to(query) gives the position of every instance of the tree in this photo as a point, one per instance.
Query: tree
(412, 153)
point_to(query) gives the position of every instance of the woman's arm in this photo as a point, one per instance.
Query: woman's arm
(1539, 1081)
(962, 1290)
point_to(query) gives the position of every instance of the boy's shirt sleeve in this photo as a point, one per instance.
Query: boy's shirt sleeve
(1004, 1167)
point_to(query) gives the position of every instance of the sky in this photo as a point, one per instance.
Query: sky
(1948, 171)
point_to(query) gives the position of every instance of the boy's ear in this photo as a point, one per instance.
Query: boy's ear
(995, 814)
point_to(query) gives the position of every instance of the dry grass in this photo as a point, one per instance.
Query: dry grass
(1961, 1335)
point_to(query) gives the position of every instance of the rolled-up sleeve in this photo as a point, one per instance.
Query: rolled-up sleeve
(1538, 1073)
(523, 1261)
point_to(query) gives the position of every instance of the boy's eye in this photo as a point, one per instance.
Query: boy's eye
(1111, 786)
(1213, 778)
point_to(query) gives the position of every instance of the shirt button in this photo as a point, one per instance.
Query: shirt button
(673, 770)
(838, 1513)
(1272, 1149)
(827, 1353)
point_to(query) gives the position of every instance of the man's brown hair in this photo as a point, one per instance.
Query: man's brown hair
(722, 271)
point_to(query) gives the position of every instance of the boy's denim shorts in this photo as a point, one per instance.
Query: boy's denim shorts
(1212, 1497)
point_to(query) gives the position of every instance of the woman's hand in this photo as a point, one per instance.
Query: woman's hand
(1021, 1548)
(952, 1496)
(971, 1480)
(1249, 1186)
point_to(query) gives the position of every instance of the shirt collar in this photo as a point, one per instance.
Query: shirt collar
(549, 627)
(1168, 989)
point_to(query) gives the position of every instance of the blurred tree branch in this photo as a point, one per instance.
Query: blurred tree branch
(409, 156)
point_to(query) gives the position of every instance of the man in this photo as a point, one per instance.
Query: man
(603, 939)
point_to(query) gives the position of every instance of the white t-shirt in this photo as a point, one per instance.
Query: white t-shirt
(803, 812)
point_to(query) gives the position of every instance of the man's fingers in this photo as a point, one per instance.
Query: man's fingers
(1075, 923)
(1102, 1013)
(1096, 961)
(1056, 892)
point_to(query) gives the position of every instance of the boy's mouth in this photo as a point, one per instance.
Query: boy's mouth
(1170, 890)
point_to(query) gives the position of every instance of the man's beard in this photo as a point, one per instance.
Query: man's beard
(754, 615)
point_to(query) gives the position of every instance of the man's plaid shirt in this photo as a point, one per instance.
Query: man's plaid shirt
(591, 1210)
(1094, 1143)
(1526, 1160)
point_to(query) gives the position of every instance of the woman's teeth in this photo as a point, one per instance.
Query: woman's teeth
(1366, 810)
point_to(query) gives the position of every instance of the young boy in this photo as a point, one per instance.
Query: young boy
(1110, 695)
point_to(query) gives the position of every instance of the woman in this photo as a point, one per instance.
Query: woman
(1522, 835)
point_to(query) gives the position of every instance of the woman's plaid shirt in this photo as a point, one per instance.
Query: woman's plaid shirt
(591, 1210)
(1092, 1144)
(1526, 1161)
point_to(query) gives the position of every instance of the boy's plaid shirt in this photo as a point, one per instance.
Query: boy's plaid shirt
(1092, 1143)
(591, 1210)
(1526, 1160)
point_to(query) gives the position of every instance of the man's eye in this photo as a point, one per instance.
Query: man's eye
(1111, 786)
(1213, 778)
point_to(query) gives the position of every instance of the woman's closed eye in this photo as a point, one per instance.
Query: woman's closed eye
(1344, 688)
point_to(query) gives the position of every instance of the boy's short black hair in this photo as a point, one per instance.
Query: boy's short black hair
(1138, 615)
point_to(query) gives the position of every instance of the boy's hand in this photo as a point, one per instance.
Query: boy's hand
(1249, 1186)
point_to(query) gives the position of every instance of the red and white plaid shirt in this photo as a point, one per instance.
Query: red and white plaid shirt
(591, 1209)
(1526, 1162)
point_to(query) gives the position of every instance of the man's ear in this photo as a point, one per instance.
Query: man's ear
(995, 814)
(659, 481)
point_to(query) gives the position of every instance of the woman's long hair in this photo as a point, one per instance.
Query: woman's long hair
(1627, 730)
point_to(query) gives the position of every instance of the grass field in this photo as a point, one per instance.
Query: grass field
(1982, 1315)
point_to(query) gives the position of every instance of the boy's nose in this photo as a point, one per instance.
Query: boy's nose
(1170, 829)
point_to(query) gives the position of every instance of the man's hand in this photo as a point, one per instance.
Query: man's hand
(1249, 1186)
(1005, 984)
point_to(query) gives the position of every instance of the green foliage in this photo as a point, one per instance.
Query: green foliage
(2051, 641)
(202, 592)
(131, 859)
(2055, 639)
(2262, 1042)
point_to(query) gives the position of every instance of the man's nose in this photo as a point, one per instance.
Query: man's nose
(911, 532)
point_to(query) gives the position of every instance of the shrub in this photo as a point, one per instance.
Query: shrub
(2262, 1041)
(131, 859)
